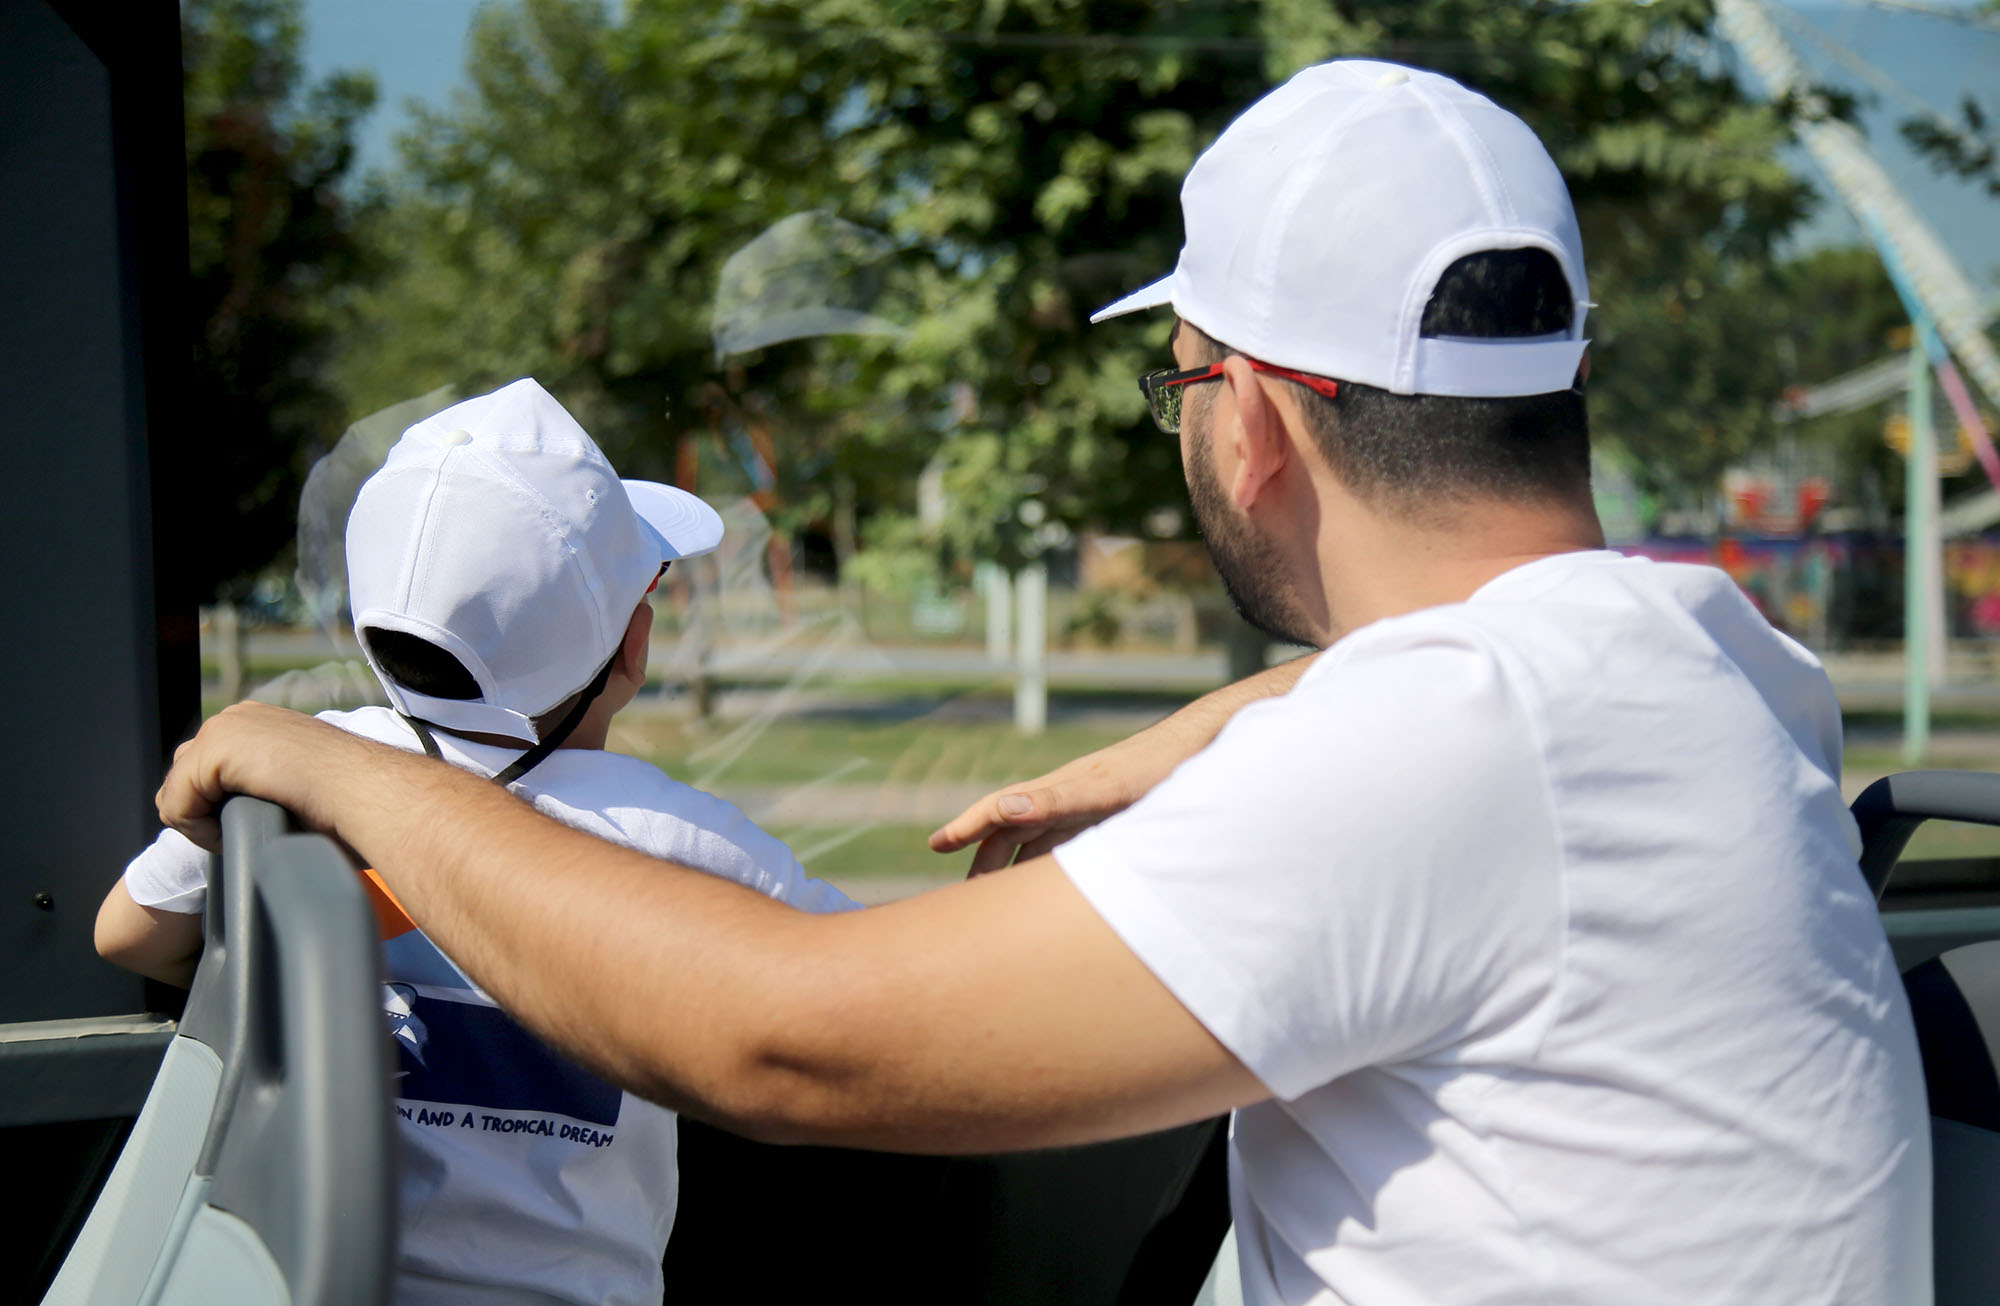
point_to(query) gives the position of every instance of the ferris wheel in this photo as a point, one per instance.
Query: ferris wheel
(1947, 323)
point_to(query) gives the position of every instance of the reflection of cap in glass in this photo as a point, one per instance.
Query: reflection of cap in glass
(1320, 220)
(497, 531)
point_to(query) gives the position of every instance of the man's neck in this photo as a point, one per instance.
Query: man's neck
(1383, 567)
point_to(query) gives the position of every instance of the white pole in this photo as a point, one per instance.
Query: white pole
(1936, 639)
(999, 614)
(1919, 580)
(1031, 680)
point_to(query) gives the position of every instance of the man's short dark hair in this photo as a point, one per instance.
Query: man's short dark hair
(415, 663)
(1424, 450)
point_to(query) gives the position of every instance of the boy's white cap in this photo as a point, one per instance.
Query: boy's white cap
(498, 531)
(1319, 222)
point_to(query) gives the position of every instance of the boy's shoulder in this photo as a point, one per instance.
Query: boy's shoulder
(584, 779)
(625, 800)
(594, 778)
(635, 803)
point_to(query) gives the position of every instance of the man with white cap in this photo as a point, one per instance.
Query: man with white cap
(499, 573)
(1521, 928)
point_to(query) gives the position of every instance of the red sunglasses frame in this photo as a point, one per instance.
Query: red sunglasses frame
(1152, 382)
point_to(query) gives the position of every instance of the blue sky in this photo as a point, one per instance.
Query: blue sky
(415, 48)
(1928, 63)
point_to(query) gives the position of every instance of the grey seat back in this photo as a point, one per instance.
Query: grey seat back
(260, 1170)
(1965, 1211)
(1955, 1002)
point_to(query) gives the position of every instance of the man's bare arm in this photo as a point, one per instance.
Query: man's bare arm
(1001, 1013)
(1025, 820)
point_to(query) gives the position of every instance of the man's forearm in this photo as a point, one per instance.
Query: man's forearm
(913, 1026)
(1204, 718)
(567, 932)
(523, 904)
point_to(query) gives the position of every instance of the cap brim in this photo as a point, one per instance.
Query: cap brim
(685, 526)
(1160, 292)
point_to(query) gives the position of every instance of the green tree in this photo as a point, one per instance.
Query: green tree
(1842, 313)
(272, 247)
(1969, 150)
(569, 216)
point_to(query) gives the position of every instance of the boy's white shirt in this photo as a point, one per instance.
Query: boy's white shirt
(543, 1196)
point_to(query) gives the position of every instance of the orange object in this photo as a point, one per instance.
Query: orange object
(389, 913)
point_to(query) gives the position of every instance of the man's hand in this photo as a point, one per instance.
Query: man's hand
(255, 749)
(1023, 821)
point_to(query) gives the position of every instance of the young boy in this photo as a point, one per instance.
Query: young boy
(498, 571)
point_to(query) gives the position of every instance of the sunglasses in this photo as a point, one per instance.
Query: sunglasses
(660, 575)
(1165, 389)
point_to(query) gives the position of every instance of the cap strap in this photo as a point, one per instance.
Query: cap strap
(529, 760)
(1494, 369)
(424, 737)
(466, 716)
(549, 743)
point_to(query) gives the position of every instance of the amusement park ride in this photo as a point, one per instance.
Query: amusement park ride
(1946, 318)
(238, 1150)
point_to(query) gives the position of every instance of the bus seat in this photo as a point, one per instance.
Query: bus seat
(260, 1169)
(1955, 1003)
(1955, 999)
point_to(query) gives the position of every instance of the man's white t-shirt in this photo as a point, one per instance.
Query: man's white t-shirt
(1539, 916)
(524, 1178)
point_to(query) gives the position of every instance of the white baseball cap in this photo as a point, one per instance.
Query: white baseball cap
(1319, 222)
(497, 531)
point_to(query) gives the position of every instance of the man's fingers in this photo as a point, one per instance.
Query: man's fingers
(1047, 841)
(1011, 846)
(190, 798)
(206, 834)
(185, 804)
(995, 812)
(996, 853)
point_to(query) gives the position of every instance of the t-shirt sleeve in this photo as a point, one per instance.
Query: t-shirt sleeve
(1361, 872)
(171, 875)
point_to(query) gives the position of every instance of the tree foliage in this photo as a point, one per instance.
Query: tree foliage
(1970, 151)
(569, 213)
(272, 245)
(1969, 148)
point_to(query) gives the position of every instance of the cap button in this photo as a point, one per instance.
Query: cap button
(460, 436)
(1393, 77)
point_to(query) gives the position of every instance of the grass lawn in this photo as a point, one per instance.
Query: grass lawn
(263, 667)
(1952, 839)
(1872, 757)
(853, 748)
(844, 855)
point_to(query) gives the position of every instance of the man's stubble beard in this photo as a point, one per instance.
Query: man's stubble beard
(1251, 569)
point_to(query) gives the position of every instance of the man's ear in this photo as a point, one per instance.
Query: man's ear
(637, 645)
(1258, 432)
